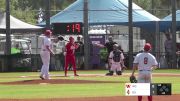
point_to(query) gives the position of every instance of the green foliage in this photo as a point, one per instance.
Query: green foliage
(27, 10)
(2, 5)
(145, 4)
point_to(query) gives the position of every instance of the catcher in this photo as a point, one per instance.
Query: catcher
(145, 62)
(116, 61)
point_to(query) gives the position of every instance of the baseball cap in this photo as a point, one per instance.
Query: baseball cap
(48, 32)
(147, 47)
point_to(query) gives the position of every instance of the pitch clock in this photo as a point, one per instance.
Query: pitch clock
(67, 28)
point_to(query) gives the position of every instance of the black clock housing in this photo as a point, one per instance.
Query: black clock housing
(67, 28)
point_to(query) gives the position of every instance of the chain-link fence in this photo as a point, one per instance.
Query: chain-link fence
(119, 33)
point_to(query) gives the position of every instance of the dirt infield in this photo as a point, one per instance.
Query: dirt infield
(75, 81)
(56, 81)
(115, 98)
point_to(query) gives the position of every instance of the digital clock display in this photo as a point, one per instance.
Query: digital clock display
(67, 28)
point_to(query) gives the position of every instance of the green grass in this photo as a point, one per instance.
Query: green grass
(74, 90)
(58, 91)
(16, 74)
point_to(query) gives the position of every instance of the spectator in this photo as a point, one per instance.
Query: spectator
(61, 57)
(103, 55)
(79, 52)
(16, 49)
(168, 50)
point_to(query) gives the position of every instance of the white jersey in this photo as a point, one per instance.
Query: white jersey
(145, 61)
(46, 42)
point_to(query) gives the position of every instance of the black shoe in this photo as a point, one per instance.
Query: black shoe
(118, 72)
(110, 73)
(41, 77)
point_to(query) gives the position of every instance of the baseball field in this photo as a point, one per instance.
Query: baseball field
(91, 85)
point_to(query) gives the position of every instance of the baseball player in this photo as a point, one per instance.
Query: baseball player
(70, 56)
(46, 50)
(145, 62)
(116, 61)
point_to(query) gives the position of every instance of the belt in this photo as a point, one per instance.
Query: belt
(144, 70)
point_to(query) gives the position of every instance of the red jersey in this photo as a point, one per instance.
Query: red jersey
(70, 48)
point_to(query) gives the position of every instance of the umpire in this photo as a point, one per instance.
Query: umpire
(145, 62)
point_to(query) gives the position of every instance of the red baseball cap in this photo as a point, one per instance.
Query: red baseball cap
(48, 32)
(147, 47)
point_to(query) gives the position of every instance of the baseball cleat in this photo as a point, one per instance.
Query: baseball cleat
(110, 73)
(118, 72)
(41, 77)
(76, 75)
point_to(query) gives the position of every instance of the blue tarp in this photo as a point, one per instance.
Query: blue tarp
(109, 12)
(166, 22)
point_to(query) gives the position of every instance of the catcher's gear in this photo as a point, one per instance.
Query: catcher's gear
(123, 68)
(118, 72)
(133, 79)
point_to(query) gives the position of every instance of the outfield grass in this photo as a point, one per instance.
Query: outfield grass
(74, 90)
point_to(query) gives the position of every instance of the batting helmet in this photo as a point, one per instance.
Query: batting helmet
(71, 39)
(147, 47)
(48, 32)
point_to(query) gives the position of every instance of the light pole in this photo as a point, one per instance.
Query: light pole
(47, 2)
(8, 30)
(130, 34)
(86, 37)
(7, 50)
(173, 3)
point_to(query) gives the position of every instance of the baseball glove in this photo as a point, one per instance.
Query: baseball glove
(133, 79)
(60, 38)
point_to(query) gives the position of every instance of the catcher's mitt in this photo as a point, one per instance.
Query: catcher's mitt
(133, 79)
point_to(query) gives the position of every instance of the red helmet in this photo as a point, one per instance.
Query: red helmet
(147, 47)
(71, 38)
(48, 32)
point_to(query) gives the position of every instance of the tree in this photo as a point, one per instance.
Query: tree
(27, 10)
(2, 5)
